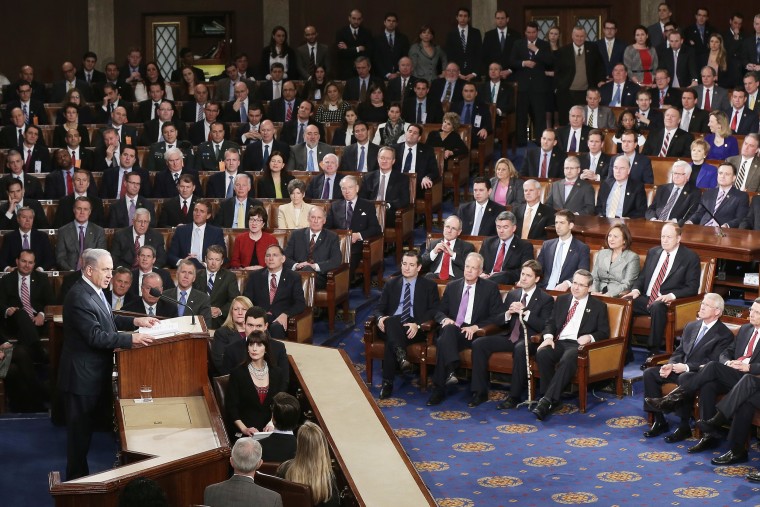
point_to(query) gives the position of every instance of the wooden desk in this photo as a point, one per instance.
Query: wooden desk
(737, 244)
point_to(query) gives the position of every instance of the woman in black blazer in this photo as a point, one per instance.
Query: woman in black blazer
(278, 50)
(344, 135)
(72, 120)
(448, 138)
(374, 109)
(252, 387)
(274, 183)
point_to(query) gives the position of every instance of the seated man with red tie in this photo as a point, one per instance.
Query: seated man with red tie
(578, 318)
(526, 302)
(446, 256)
(314, 248)
(505, 254)
(468, 305)
(60, 181)
(179, 210)
(126, 242)
(725, 206)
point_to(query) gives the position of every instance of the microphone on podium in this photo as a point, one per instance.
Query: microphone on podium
(157, 294)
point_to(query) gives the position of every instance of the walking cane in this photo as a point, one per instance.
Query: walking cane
(529, 402)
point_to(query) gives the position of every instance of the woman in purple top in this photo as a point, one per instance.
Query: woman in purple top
(722, 143)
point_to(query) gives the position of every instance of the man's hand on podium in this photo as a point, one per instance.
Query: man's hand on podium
(141, 339)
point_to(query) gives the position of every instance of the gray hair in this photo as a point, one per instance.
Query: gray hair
(586, 274)
(683, 165)
(142, 211)
(246, 455)
(91, 256)
(242, 175)
(507, 215)
(173, 151)
(716, 300)
(333, 155)
(476, 256)
(532, 183)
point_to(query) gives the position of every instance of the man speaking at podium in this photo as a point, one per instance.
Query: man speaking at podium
(90, 334)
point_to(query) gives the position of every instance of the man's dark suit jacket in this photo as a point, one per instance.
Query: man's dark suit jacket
(40, 219)
(493, 50)
(747, 124)
(39, 242)
(225, 290)
(166, 279)
(171, 212)
(602, 164)
(317, 186)
(182, 241)
(541, 306)
(253, 158)
(701, 47)
(197, 301)
(486, 308)
(594, 322)
(396, 192)
(479, 108)
(655, 117)
(532, 163)
(154, 160)
(277, 110)
(425, 163)
(32, 186)
(206, 160)
(9, 137)
(461, 248)
(65, 211)
(468, 58)
(304, 60)
(216, 186)
(627, 96)
(125, 74)
(686, 202)
(564, 66)
(151, 131)
(544, 218)
(709, 348)
(437, 89)
(737, 348)
(349, 161)
(40, 291)
(531, 81)
(110, 181)
(683, 279)
(425, 303)
(466, 214)
(641, 169)
(97, 76)
(225, 217)
(752, 220)
(509, 272)
(581, 142)
(40, 155)
(433, 114)
(289, 131)
(679, 145)
(37, 113)
(384, 57)
(123, 247)
(164, 186)
(103, 116)
(634, 200)
(118, 215)
(55, 185)
(352, 89)
(145, 111)
(748, 52)
(393, 92)
(687, 65)
(698, 121)
(578, 257)
(196, 133)
(618, 49)
(128, 136)
(162, 308)
(326, 250)
(189, 113)
(732, 210)
(364, 219)
(59, 89)
(346, 57)
(278, 448)
(504, 97)
(288, 299)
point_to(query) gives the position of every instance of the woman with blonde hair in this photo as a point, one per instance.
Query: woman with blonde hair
(312, 466)
(506, 186)
(333, 107)
(722, 143)
(718, 59)
(231, 331)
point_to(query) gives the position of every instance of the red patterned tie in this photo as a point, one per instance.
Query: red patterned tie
(272, 288)
(707, 100)
(569, 317)
(500, 258)
(289, 112)
(444, 273)
(69, 184)
(25, 299)
(660, 277)
(733, 121)
(184, 207)
(750, 347)
(544, 172)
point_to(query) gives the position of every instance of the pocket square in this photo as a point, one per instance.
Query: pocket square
(588, 310)
(364, 214)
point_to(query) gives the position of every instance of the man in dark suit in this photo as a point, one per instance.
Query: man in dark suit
(423, 108)
(728, 204)
(288, 299)
(698, 36)
(577, 319)
(248, 132)
(190, 241)
(12, 135)
(497, 44)
(153, 130)
(750, 59)
(200, 131)
(326, 184)
(123, 211)
(741, 118)
(353, 41)
(112, 77)
(197, 301)
(572, 193)
(257, 152)
(211, 153)
(406, 302)
(530, 57)
(386, 185)
(362, 155)
(449, 87)
(459, 321)
(23, 296)
(621, 195)
(283, 109)
(146, 264)
(473, 111)
(693, 119)
(709, 95)
(155, 160)
(573, 137)
(546, 161)
(84, 186)
(571, 88)
(414, 157)
(504, 254)
(280, 445)
(702, 341)
(111, 100)
(445, 257)
(15, 171)
(219, 284)
(222, 184)
(357, 87)
(35, 153)
(669, 141)
(673, 201)
(620, 92)
(479, 216)
(641, 167)
(533, 216)
(294, 131)
(86, 365)
(233, 210)
(389, 46)
(147, 303)
(32, 108)
(611, 48)
(114, 186)
(526, 302)
(88, 72)
(26, 238)
(108, 141)
(179, 210)
(16, 200)
(306, 156)
(647, 118)
(464, 46)
(314, 248)
(670, 271)
(738, 360)
(69, 81)
(134, 68)
(595, 164)
(118, 296)
(495, 90)
(401, 87)
(150, 109)
(128, 240)
(167, 180)
(311, 55)
(562, 256)
(356, 214)
(680, 62)
(664, 95)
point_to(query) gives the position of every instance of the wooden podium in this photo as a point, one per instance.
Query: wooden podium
(178, 440)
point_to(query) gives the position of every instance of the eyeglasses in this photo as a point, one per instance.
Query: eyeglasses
(256, 220)
(578, 284)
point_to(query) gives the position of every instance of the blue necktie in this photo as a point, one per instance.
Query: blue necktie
(230, 187)
(183, 301)
(210, 283)
(408, 161)
(310, 162)
(361, 161)
(467, 114)
(266, 157)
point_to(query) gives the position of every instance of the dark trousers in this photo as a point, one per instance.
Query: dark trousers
(277, 331)
(395, 338)
(713, 379)
(482, 348)
(658, 313)
(557, 366)
(320, 281)
(356, 257)
(653, 383)
(81, 412)
(520, 369)
(741, 402)
(535, 103)
(450, 342)
(20, 326)
(25, 392)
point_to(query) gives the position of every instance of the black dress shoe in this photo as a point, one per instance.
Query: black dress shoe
(451, 379)
(657, 429)
(705, 443)
(403, 364)
(713, 425)
(543, 409)
(386, 390)
(678, 435)
(477, 399)
(730, 458)
(668, 403)
(436, 398)
(754, 476)
(508, 404)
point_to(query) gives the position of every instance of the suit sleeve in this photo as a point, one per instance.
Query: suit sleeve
(298, 300)
(541, 315)
(174, 255)
(691, 276)
(742, 208)
(334, 259)
(603, 324)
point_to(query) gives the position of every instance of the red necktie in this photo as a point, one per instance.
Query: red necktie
(184, 207)
(289, 112)
(28, 163)
(569, 317)
(660, 277)
(500, 258)
(444, 273)
(707, 100)
(733, 121)
(123, 190)
(73, 158)
(750, 347)
(543, 173)
(272, 288)
(137, 250)
(69, 184)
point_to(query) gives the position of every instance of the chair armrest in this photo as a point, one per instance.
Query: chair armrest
(301, 326)
(370, 322)
(600, 344)
(657, 360)
(338, 279)
(536, 338)
(488, 330)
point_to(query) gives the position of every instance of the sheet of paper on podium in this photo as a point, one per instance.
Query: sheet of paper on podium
(175, 326)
